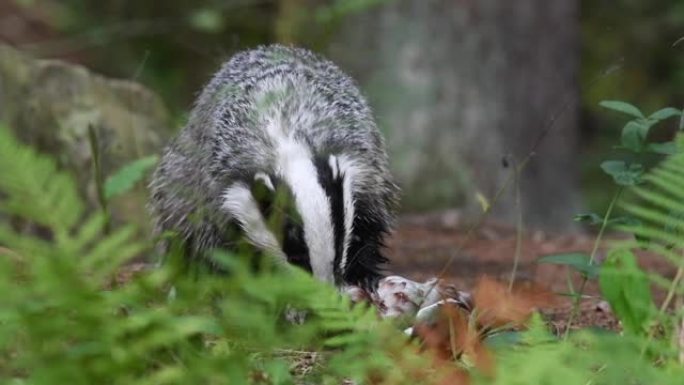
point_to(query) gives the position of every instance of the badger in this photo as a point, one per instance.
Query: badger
(280, 131)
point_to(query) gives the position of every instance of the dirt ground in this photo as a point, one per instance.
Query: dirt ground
(423, 244)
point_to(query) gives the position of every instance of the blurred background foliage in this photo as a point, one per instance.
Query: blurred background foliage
(640, 41)
(173, 46)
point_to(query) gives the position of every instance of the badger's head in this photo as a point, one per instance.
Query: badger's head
(314, 214)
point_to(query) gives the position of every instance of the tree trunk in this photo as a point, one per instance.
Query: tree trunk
(462, 88)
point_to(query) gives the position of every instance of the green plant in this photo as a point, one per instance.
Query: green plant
(67, 315)
(119, 183)
(647, 350)
(627, 289)
(659, 206)
(626, 173)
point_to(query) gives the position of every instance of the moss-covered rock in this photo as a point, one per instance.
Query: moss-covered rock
(50, 104)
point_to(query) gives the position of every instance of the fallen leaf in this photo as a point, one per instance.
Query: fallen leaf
(495, 306)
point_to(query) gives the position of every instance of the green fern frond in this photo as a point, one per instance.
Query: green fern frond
(658, 204)
(25, 243)
(660, 207)
(125, 178)
(35, 189)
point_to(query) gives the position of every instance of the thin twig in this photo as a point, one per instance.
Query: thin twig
(99, 182)
(4, 251)
(518, 230)
(666, 303)
(585, 278)
(569, 101)
(141, 66)
(478, 223)
(680, 334)
(681, 39)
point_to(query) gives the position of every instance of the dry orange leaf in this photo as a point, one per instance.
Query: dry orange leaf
(496, 306)
(453, 337)
(458, 333)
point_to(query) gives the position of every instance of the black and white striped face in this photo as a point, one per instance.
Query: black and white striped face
(311, 217)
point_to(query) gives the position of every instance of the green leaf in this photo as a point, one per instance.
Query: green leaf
(623, 107)
(626, 287)
(665, 113)
(624, 221)
(577, 261)
(127, 176)
(32, 187)
(675, 224)
(623, 174)
(537, 332)
(207, 20)
(590, 218)
(595, 219)
(666, 148)
(630, 224)
(680, 141)
(634, 135)
(504, 339)
(278, 372)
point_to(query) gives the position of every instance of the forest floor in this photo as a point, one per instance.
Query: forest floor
(422, 245)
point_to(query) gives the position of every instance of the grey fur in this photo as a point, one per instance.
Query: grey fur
(224, 140)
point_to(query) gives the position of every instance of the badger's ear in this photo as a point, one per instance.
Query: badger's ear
(334, 164)
(275, 201)
(263, 191)
(264, 179)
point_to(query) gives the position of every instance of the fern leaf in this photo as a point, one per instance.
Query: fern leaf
(34, 189)
(126, 177)
(24, 244)
(660, 203)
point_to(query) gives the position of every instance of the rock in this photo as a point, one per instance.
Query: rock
(50, 104)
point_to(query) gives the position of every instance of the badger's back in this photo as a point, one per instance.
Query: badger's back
(259, 100)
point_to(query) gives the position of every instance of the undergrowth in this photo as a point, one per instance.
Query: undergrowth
(67, 318)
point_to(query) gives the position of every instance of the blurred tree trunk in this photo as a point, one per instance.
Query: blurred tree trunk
(458, 86)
